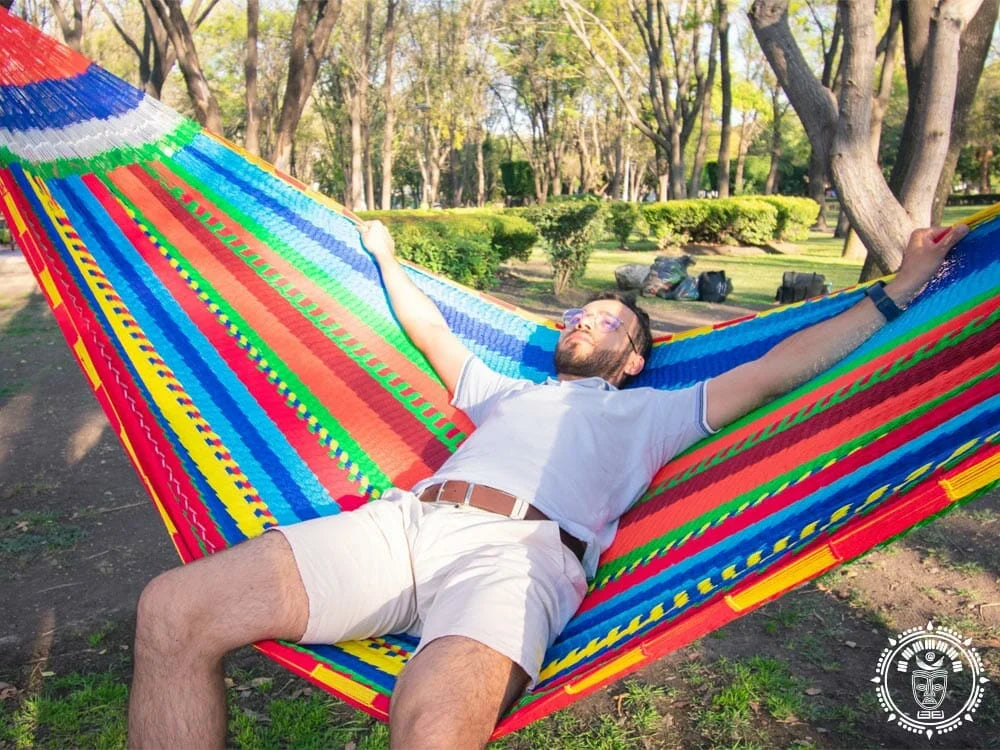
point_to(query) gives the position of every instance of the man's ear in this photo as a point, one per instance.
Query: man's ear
(635, 364)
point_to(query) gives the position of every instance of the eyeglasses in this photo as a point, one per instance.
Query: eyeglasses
(605, 322)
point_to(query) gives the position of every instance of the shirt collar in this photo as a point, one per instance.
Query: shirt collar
(595, 382)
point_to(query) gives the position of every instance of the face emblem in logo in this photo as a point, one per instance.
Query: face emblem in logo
(929, 683)
(929, 680)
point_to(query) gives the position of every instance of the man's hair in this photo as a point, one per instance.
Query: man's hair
(644, 340)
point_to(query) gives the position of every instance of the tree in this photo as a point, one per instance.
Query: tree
(311, 28)
(726, 81)
(841, 124)
(154, 52)
(389, 124)
(940, 43)
(251, 135)
(206, 106)
(71, 26)
(674, 35)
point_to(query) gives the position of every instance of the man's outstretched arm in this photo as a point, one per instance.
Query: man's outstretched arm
(817, 348)
(420, 318)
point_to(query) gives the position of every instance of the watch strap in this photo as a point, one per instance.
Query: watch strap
(889, 309)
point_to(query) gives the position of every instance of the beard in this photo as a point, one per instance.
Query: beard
(602, 364)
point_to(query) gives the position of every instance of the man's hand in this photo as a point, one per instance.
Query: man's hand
(922, 257)
(376, 239)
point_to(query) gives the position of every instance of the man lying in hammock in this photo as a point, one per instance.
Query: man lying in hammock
(488, 559)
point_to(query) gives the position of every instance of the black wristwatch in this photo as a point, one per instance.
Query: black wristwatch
(889, 309)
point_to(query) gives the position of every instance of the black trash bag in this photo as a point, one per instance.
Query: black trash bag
(796, 286)
(713, 286)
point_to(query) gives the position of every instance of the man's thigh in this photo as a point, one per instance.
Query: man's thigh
(356, 570)
(510, 585)
(452, 693)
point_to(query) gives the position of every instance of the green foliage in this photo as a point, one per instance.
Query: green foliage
(746, 221)
(795, 215)
(569, 229)
(513, 236)
(467, 246)
(622, 218)
(518, 179)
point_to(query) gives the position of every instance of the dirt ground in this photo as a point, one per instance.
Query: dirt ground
(79, 538)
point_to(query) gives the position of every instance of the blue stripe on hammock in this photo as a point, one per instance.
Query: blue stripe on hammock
(289, 487)
(58, 103)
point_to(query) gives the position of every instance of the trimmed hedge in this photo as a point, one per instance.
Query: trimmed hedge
(467, 246)
(751, 220)
(795, 215)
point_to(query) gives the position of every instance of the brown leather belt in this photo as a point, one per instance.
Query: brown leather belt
(495, 501)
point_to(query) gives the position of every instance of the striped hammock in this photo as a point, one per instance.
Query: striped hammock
(241, 344)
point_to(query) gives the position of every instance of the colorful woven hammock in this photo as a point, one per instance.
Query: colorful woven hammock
(241, 344)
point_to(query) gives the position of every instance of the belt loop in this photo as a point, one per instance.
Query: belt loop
(437, 497)
(520, 509)
(468, 493)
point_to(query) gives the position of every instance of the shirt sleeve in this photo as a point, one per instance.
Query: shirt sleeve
(682, 419)
(479, 388)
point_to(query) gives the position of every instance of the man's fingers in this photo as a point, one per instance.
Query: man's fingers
(953, 234)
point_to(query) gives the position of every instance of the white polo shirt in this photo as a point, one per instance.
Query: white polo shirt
(581, 451)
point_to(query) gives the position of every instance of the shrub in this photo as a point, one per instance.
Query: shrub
(513, 236)
(744, 220)
(751, 221)
(795, 216)
(465, 245)
(518, 179)
(622, 218)
(569, 229)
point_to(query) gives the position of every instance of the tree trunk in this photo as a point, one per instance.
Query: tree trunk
(722, 169)
(932, 123)
(706, 111)
(390, 111)
(206, 107)
(818, 171)
(843, 127)
(480, 171)
(975, 45)
(985, 160)
(310, 38)
(251, 136)
(72, 29)
(694, 186)
(355, 198)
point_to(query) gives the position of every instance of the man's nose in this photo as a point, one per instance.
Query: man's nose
(585, 322)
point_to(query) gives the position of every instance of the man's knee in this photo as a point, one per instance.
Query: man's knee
(166, 612)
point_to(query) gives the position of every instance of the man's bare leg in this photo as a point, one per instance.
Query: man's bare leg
(188, 619)
(451, 694)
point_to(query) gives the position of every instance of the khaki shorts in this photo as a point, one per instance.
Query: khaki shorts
(400, 565)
